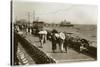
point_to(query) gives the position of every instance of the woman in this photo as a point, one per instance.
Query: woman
(42, 37)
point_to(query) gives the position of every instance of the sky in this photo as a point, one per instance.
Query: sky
(55, 12)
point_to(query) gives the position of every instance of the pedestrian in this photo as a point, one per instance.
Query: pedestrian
(54, 39)
(66, 42)
(78, 43)
(61, 41)
(42, 36)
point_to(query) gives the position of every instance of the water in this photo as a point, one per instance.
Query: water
(88, 32)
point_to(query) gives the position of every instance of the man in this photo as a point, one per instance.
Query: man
(66, 42)
(54, 39)
(77, 43)
(84, 45)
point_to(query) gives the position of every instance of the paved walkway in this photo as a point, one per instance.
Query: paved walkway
(70, 56)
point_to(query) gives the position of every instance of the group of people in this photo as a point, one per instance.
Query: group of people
(56, 38)
(60, 40)
(63, 40)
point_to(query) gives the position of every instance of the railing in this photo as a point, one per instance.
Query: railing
(39, 56)
(93, 51)
(36, 54)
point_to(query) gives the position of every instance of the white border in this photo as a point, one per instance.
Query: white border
(5, 33)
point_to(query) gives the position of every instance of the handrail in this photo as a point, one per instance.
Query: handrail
(39, 56)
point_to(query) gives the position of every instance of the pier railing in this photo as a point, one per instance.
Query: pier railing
(36, 54)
